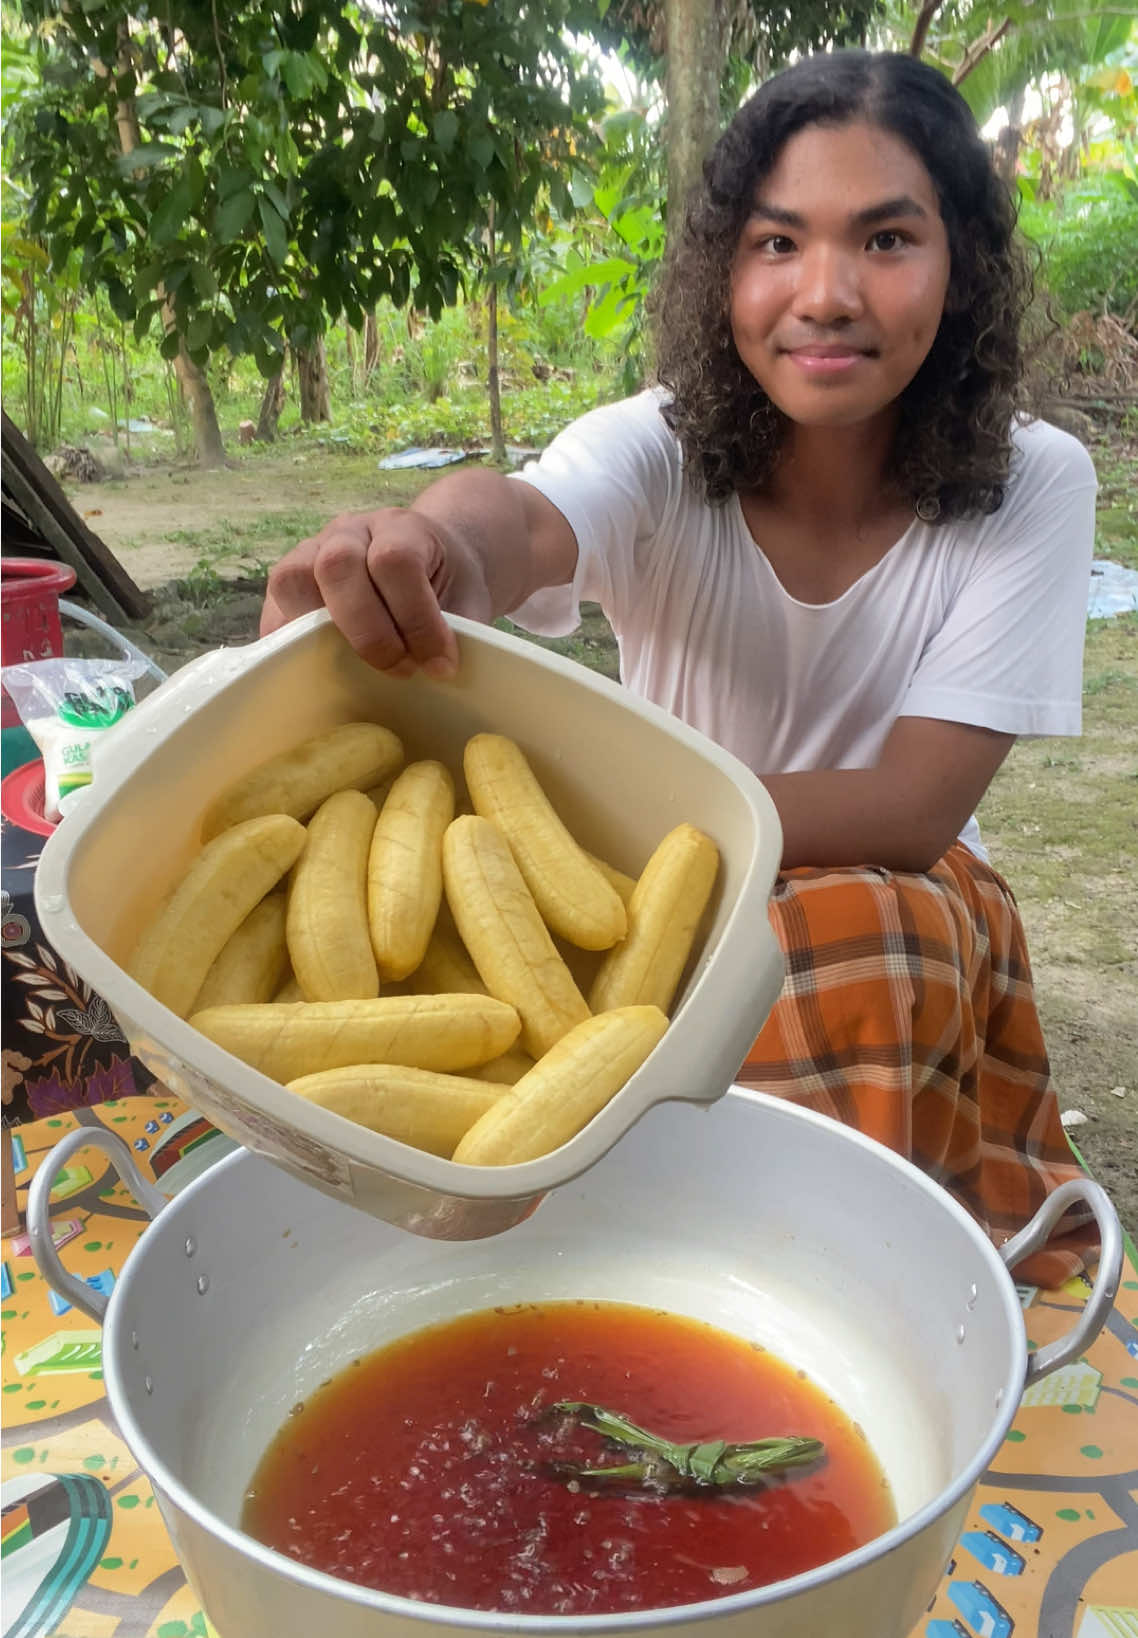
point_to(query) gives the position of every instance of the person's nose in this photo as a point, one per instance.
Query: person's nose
(828, 290)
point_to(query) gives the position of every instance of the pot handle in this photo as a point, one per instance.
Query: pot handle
(152, 1200)
(1107, 1276)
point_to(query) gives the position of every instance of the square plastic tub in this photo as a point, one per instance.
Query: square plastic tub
(620, 772)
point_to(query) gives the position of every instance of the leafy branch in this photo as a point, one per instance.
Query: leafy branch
(660, 1464)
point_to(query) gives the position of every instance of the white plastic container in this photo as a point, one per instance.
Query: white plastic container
(621, 774)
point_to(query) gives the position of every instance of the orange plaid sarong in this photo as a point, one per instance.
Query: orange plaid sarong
(907, 1012)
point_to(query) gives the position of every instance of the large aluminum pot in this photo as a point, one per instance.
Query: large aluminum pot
(776, 1224)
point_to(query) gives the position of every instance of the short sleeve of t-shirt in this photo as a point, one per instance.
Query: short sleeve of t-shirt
(1007, 654)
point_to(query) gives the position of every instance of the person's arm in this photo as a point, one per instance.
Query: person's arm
(474, 543)
(902, 814)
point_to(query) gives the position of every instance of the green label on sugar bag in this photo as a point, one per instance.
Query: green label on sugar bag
(96, 707)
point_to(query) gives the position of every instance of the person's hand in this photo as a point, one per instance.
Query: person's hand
(384, 577)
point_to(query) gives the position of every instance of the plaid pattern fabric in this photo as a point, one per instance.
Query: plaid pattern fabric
(907, 1012)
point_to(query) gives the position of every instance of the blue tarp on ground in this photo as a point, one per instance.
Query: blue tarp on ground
(516, 454)
(425, 457)
(1114, 590)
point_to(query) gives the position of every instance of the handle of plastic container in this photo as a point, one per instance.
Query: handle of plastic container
(152, 1200)
(1107, 1276)
(84, 617)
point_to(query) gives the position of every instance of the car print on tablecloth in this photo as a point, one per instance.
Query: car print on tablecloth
(993, 1553)
(1010, 1522)
(982, 1611)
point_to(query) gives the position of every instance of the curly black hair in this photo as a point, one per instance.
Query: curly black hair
(953, 443)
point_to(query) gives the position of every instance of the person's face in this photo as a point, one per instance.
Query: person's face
(840, 275)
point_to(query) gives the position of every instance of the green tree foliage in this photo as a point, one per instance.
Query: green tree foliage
(250, 171)
(611, 256)
(1089, 243)
(994, 57)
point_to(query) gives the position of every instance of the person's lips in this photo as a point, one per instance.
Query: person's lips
(826, 359)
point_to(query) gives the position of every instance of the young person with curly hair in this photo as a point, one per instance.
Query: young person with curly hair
(830, 538)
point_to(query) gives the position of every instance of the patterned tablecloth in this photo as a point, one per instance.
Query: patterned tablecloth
(1050, 1548)
(62, 1047)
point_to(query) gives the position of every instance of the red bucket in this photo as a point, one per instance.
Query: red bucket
(22, 798)
(30, 608)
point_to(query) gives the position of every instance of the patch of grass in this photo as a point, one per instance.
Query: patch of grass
(1116, 516)
(1116, 535)
(592, 645)
(203, 588)
(221, 539)
(253, 542)
(1110, 681)
(1103, 681)
(1062, 824)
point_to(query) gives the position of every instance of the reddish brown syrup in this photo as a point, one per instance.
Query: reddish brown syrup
(421, 1469)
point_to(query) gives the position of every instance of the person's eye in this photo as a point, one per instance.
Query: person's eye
(887, 239)
(776, 244)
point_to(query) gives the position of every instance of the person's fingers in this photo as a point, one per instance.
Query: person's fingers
(291, 589)
(403, 569)
(356, 604)
(272, 617)
(384, 578)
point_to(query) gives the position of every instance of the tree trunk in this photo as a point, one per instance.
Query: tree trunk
(1071, 156)
(493, 383)
(371, 345)
(920, 34)
(196, 395)
(350, 355)
(312, 371)
(696, 45)
(203, 411)
(1005, 158)
(272, 403)
(192, 380)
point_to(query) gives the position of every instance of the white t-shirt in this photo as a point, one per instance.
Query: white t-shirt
(979, 620)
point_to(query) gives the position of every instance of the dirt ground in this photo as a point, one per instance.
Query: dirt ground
(163, 521)
(1061, 819)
